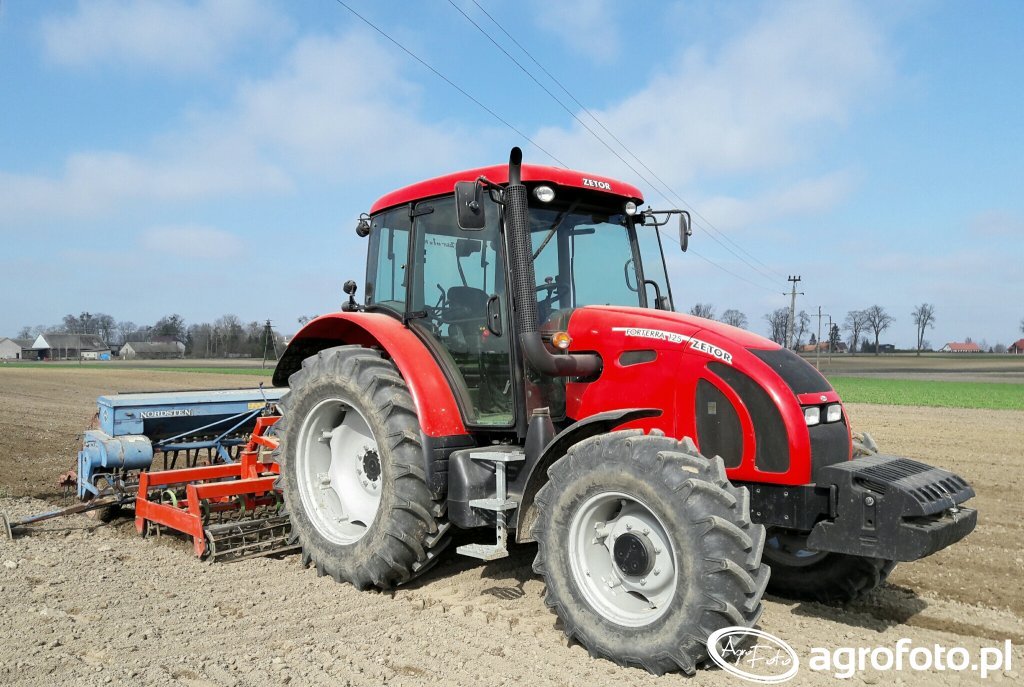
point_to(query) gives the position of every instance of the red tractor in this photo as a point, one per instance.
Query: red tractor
(517, 368)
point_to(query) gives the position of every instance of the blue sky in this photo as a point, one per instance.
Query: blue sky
(206, 157)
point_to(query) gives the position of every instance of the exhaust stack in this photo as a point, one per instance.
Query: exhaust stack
(524, 284)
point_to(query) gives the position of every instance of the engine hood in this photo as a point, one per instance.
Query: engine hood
(677, 323)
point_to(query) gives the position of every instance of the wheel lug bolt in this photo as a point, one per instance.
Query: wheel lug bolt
(628, 526)
(647, 531)
(656, 571)
(643, 582)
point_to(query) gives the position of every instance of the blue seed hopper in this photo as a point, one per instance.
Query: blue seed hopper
(165, 430)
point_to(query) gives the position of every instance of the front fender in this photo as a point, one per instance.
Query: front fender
(601, 423)
(436, 406)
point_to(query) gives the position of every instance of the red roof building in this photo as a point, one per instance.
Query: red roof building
(1017, 347)
(956, 347)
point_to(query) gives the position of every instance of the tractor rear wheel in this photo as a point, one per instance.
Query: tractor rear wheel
(647, 549)
(352, 467)
(807, 575)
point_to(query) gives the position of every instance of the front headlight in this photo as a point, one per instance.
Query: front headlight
(812, 415)
(834, 413)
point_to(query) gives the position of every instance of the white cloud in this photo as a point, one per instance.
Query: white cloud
(171, 35)
(997, 224)
(338, 107)
(805, 197)
(587, 27)
(191, 241)
(756, 103)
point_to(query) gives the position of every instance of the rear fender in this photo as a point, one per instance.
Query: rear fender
(600, 423)
(436, 406)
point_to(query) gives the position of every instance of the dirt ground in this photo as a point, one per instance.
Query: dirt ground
(90, 604)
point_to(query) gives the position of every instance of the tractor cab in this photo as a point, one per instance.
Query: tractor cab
(450, 278)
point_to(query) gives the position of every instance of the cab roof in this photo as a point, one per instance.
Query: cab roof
(556, 176)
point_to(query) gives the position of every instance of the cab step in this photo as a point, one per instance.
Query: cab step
(500, 504)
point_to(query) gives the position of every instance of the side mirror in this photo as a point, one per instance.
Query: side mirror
(363, 227)
(684, 230)
(468, 196)
(350, 288)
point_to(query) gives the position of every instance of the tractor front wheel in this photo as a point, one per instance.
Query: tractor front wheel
(647, 549)
(352, 466)
(808, 575)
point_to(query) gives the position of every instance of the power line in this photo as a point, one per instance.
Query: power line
(448, 81)
(709, 227)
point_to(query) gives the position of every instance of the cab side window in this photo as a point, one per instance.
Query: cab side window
(387, 271)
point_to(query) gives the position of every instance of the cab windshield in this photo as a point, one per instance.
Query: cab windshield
(590, 255)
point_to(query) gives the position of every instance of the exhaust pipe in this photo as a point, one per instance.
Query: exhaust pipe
(524, 282)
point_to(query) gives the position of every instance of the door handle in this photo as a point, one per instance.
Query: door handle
(494, 315)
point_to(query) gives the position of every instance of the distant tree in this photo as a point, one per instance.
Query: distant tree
(778, 322)
(171, 325)
(1022, 326)
(813, 341)
(735, 318)
(705, 310)
(27, 333)
(999, 348)
(803, 321)
(833, 337)
(125, 328)
(228, 333)
(105, 326)
(924, 318)
(878, 321)
(855, 323)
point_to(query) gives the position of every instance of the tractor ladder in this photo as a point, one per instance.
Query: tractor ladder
(500, 504)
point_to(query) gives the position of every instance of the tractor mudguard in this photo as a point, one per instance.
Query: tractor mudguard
(893, 508)
(436, 406)
(536, 473)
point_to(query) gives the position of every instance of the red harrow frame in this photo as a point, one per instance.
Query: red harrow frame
(231, 511)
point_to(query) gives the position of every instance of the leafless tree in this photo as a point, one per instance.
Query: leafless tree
(778, 322)
(705, 310)
(924, 318)
(855, 323)
(878, 321)
(803, 321)
(735, 318)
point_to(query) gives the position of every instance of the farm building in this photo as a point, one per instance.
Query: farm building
(14, 349)
(1017, 347)
(70, 346)
(958, 347)
(152, 350)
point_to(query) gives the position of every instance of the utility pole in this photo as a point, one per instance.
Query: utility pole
(792, 313)
(268, 341)
(817, 346)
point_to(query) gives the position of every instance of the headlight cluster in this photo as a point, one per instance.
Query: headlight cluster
(813, 414)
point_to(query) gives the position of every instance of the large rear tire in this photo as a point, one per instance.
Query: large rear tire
(647, 549)
(833, 578)
(352, 466)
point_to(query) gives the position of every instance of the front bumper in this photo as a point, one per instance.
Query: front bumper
(892, 508)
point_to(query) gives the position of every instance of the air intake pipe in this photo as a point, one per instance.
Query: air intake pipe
(517, 221)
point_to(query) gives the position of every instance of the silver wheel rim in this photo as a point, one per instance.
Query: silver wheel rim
(633, 600)
(787, 549)
(339, 471)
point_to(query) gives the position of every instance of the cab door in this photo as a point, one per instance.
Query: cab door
(458, 305)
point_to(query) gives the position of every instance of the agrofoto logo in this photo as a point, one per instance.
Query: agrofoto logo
(753, 655)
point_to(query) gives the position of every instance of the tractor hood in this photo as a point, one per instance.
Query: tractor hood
(739, 395)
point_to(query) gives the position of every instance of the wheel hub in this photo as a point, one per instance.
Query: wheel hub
(634, 554)
(371, 465)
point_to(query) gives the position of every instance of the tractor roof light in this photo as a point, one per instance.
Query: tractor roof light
(630, 208)
(561, 340)
(812, 415)
(544, 194)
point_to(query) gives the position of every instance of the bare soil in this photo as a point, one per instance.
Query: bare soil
(91, 604)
